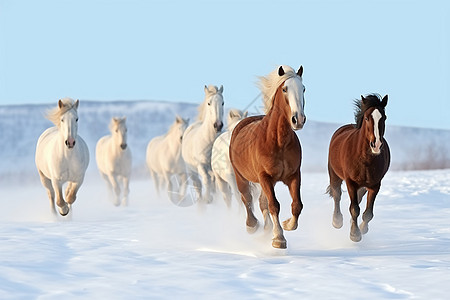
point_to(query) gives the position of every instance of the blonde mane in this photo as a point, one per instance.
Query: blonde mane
(54, 114)
(210, 91)
(270, 83)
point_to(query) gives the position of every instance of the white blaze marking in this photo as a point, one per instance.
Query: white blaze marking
(376, 115)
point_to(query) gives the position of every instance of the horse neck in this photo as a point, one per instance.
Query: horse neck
(174, 142)
(362, 145)
(207, 127)
(279, 125)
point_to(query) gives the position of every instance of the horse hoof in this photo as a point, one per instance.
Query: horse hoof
(279, 244)
(288, 226)
(253, 229)
(355, 236)
(364, 227)
(63, 211)
(338, 221)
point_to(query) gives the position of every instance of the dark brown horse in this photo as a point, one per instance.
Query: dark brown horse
(265, 150)
(360, 155)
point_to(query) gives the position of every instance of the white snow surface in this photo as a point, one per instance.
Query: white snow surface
(153, 249)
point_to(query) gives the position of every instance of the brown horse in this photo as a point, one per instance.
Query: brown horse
(360, 155)
(265, 150)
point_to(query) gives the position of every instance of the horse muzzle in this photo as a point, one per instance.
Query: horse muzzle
(70, 143)
(218, 126)
(123, 146)
(376, 147)
(296, 122)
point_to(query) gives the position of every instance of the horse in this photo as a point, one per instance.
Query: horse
(62, 156)
(113, 156)
(265, 149)
(199, 138)
(220, 158)
(163, 157)
(360, 155)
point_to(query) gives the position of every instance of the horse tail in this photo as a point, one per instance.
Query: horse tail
(329, 191)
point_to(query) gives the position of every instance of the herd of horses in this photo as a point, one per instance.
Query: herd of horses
(246, 160)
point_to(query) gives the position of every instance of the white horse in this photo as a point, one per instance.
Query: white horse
(113, 158)
(62, 155)
(199, 138)
(220, 158)
(164, 159)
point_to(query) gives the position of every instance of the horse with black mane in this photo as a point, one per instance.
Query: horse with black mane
(360, 155)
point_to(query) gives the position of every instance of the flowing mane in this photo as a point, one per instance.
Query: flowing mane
(209, 91)
(270, 83)
(372, 100)
(55, 114)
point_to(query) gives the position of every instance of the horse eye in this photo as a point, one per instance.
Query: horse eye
(76, 120)
(223, 103)
(209, 103)
(285, 89)
(304, 89)
(366, 118)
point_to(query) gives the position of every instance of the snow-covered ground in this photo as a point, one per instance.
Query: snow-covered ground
(153, 249)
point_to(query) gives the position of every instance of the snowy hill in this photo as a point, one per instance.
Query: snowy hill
(21, 125)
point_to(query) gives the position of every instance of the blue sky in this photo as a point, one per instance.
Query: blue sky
(168, 50)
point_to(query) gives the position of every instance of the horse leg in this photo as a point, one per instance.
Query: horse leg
(267, 186)
(126, 190)
(183, 185)
(355, 233)
(361, 192)
(264, 206)
(63, 208)
(206, 180)
(155, 180)
(115, 186)
(197, 185)
(335, 191)
(297, 205)
(225, 190)
(246, 196)
(368, 213)
(71, 192)
(47, 183)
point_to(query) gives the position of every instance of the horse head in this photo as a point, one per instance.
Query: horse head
(119, 130)
(179, 127)
(294, 94)
(374, 121)
(234, 116)
(213, 110)
(68, 121)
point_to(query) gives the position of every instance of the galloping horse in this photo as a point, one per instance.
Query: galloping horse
(265, 150)
(62, 155)
(113, 158)
(164, 159)
(360, 155)
(198, 140)
(220, 158)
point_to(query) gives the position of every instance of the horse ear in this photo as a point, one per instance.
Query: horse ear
(245, 114)
(221, 89)
(384, 101)
(206, 89)
(60, 104)
(281, 71)
(300, 71)
(363, 100)
(178, 119)
(77, 103)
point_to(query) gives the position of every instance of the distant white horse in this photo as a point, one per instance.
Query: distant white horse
(220, 159)
(62, 155)
(113, 158)
(199, 138)
(164, 158)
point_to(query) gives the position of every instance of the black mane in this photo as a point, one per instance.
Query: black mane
(372, 100)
